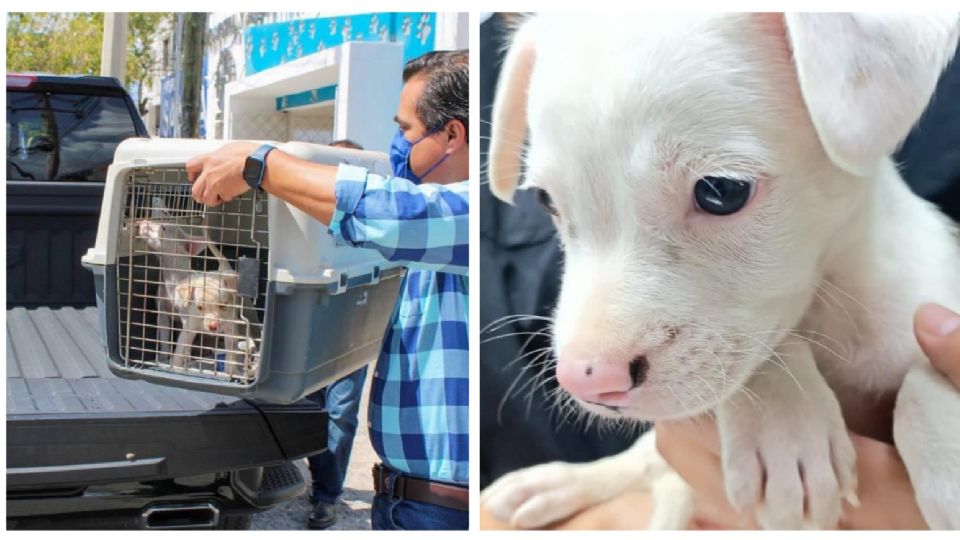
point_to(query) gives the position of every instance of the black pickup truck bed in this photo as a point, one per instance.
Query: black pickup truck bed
(86, 449)
(74, 428)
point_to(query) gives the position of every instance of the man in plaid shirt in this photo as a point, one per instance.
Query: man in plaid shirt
(418, 416)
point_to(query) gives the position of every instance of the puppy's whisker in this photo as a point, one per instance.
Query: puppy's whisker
(503, 130)
(535, 353)
(545, 367)
(779, 361)
(795, 334)
(694, 391)
(830, 301)
(513, 144)
(514, 334)
(510, 319)
(754, 399)
(513, 390)
(499, 327)
(506, 395)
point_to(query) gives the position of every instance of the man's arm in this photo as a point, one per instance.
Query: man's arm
(217, 177)
(309, 186)
(424, 226)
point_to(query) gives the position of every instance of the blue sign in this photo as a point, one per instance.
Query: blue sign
(270, 45)
(310, 97)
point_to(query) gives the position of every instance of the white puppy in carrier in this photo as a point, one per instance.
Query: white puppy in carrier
(202, 299)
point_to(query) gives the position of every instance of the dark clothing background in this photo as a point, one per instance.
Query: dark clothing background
(519, 274)
(520, 263)
(930, 157)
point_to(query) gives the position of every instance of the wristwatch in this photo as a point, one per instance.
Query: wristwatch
(256, 165)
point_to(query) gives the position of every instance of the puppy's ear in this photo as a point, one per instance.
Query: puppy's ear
(148, 229)
(194, 244)
(509, 121)
(230, 282)
(867, 77)
(183, 295)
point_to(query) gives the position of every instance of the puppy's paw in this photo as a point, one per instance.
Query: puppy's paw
(791, 481)
(540, 495)
(791, 461)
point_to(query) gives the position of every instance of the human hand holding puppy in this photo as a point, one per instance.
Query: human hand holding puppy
(886, 494)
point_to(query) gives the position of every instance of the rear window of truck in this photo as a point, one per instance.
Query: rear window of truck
(64, 137)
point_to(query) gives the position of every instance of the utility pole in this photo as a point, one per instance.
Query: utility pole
(113, 54)
(191, 62)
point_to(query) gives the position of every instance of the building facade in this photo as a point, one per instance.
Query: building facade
(311, 77)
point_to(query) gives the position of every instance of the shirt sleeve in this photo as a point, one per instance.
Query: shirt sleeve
(425, 226)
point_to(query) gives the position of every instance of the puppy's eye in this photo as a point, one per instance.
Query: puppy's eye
(722, 196)
(547, 202)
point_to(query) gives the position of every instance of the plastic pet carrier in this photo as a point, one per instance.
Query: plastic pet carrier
(250, 298)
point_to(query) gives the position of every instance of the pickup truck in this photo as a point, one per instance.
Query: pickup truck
(86, 449)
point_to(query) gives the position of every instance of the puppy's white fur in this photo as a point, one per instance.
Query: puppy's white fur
(203, 300)
(207, 302)
(786, 313)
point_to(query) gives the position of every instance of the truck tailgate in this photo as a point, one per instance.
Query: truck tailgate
(70, 422)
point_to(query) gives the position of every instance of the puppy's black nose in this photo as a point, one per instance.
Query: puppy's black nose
(638, 370)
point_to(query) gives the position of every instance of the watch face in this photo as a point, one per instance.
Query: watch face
(251, 170)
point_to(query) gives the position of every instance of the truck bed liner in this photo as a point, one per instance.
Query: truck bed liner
(55, 366)
(70, 422)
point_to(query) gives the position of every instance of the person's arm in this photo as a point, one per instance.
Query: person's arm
(425, 226)
(886, 495)
(217, 177)
(309, 186)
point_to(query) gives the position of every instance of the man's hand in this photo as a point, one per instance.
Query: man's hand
(886, 495)
(217, 177)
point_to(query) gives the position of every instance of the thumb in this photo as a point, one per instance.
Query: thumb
(938, 332)
(194, 167)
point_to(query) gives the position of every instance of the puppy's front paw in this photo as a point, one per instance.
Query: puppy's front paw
(791, 483)
(790, 460)
(540, 495)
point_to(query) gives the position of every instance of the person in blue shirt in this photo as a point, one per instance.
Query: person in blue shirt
(418, 416)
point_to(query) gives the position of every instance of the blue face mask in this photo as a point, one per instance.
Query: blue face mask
(400, 150)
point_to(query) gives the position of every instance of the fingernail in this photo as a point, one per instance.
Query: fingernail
(936, 320)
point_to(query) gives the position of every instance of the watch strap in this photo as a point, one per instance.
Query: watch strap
(259, 155)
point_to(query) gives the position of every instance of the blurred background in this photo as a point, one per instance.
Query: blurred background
(242, 75)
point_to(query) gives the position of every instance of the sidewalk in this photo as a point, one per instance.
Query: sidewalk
(353, 512)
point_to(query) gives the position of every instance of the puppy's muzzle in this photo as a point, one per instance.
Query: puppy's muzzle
(599, 379)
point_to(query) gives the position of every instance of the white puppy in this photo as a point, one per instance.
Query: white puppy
(175, 250)
(207, 303)
(204, 301)
(737, 241)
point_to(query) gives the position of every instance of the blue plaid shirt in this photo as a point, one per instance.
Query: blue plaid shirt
(418, 416)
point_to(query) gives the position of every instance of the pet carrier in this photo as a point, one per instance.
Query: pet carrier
(251, 298)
